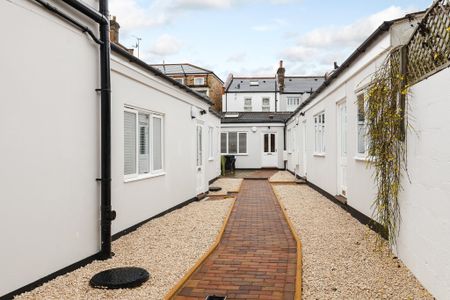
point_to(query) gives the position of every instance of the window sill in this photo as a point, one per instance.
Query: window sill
(211, 159)
(234, 154)
(363, 158)
(143, 177)
(319, 154)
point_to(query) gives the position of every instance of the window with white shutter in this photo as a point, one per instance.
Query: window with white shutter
(130, 143)
(143, 143)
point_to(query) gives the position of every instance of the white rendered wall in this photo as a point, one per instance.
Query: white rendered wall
(235, 101)
(253, 158)
(49, 148)
(139, 200)
(424, 241)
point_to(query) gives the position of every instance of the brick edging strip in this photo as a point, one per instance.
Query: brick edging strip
(200, 261)
(298, 275)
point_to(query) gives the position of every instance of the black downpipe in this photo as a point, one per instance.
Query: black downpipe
(107, 214)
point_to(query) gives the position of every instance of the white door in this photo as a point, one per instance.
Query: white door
(304, 156)
(269, 150)
(342, 149)
(200, 160)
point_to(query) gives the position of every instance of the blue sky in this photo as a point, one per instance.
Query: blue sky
(249, 37)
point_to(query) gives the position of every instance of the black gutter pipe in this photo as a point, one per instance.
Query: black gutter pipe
(89, 12)
(107, 215)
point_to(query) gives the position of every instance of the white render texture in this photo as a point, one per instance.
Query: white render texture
(49, 145)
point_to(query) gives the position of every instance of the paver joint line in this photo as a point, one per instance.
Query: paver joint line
(257, 255)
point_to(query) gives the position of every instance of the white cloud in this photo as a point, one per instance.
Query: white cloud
(133, 15)
(351, 34)
(166, 45)
(237, 57)
(316, 50)
(273, 25)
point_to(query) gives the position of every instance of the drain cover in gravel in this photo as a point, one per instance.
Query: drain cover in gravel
(214, 188)
(120, 278)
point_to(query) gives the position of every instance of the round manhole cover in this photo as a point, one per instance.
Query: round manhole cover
(120, 278)
(214, 189)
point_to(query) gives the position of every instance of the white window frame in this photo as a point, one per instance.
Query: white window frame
(237, 142)
(248, 107)
(211, 142)
(265, 108)
(199, 78)
(152, 172)
(177, 79)
(361, 155)
(319, 134)
(293, 101)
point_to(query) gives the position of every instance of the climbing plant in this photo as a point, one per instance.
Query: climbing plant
(385, 115)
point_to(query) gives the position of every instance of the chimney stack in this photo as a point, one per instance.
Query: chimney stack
(114, 30)
(280, 76)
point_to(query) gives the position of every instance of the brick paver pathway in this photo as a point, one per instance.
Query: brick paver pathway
(256, 258)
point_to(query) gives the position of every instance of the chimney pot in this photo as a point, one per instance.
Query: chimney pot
(114, 30)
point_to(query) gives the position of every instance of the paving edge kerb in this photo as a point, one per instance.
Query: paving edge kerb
(298, 275)
(200, 261)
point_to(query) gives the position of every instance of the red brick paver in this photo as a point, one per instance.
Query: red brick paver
(256, 258)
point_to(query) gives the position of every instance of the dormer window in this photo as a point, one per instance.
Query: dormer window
(180, 80)
(199, 80)
(254, 83)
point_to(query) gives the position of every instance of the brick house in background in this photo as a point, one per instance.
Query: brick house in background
(199, 79)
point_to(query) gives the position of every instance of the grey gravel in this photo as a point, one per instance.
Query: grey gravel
(167, 247)
(341, 257)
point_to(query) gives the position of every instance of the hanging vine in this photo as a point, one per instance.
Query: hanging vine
(385, 116)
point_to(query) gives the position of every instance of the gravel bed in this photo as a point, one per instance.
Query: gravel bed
(167, 247)
(227, 185)
(282, 176)
(341, 259)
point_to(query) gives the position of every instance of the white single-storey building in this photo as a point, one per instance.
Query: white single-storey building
(327, 145)
(256, 139)
(162, 135)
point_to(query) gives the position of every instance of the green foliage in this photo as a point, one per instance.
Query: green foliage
(385, 129)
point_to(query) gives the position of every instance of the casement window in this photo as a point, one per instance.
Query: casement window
(293, 101)
(361, 123)
(319, 133)
(248, 104)
(265, 104)
(233, 142)
(199, 80)
(180, 80)
(199, 145)
(143, 143)
(211, 142)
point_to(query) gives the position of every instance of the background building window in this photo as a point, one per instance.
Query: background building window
(319, 128)
(199, 80)
(234, 142)
(143, 143)
(248, 104)
(293, 101)
(180, 80)
(265, 104)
